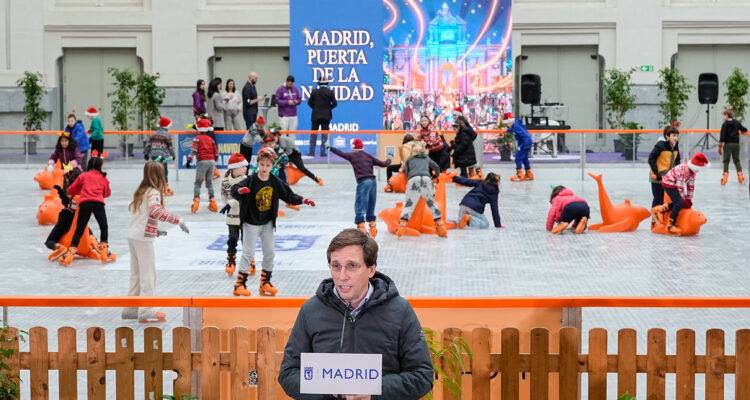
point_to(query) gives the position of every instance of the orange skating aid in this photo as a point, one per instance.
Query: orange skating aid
(293, 174)
(421, 220)
(620, 217)
(47, 180)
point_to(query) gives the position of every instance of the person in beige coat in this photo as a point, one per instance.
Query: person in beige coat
(232, 107)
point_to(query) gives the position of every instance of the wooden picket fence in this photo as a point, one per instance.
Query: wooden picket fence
(511, 365)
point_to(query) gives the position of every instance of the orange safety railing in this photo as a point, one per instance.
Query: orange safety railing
(385, 132)
(417, 302)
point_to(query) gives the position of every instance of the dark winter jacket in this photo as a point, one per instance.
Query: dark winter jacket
(78, 132)
(362, 162)
(421, 165)
(280, 191)
(662, 158)
(322, 101)
(387, 325)
(523, 137)
(67, 155)
(481, 195)
(730, 131)
(463, 147)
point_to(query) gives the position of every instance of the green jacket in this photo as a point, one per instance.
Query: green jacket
(96, 129)
(387, 325)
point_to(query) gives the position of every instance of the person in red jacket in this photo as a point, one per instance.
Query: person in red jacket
(92, 187)
(205, 148)
(567, 209)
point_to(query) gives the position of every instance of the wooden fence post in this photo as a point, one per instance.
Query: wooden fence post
(182, 361)
(96, 376)
(480, 365)
(568, 364)
(14, 361)
(124, 363)
(539, 389)
(448, 335)
(238, 365)
(626, 361)
(67, 363)
(685, 368)
(656, 364)
(597, 364)
(266, 363)
(510, 364)
(210, 367)
(715, 364)
(742, 365)
(153, 375)
(39, 363)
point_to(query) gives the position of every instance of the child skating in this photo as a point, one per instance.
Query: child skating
(159, 148)
(664, 156)
(567, 210)
(729, 145)
(96, 130)
(205, 149)
(364, 200)
(679, 183)
(147, 210)
(66, 151)
(471, 209)
(420, 171)
(259, 196)
(237, 171)
(524, 142)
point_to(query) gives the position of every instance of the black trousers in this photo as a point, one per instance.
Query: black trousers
(247, 152)
(249, 120)
(166, 171)
(442, 158)
(296, 159)
(574, 211)
(677, 203)
(657, 190)
(234, 236)
(322, 124)
(391, 169)
(85, 210)
(97, 145)
(64, 221)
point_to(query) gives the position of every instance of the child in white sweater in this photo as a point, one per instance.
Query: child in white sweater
(236, 172)
(148, 210)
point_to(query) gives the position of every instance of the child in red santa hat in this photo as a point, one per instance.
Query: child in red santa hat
(204, 148)
(679, 183)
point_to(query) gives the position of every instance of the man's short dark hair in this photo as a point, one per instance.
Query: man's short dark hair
(290, 78)
(355, 237)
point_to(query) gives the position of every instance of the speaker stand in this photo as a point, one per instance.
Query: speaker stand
(705, 142)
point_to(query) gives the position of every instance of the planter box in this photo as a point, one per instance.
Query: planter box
(130, 149)
(504, 154)
(29, 148)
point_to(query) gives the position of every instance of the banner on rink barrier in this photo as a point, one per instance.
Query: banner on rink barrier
(226, 143)
(340, 40)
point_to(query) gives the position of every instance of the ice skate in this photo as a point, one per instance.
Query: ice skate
(158, 317)
(168, 191)
(672, 228)
(724, 178)
(68, 256)
(251, 268)
(240, 286)
(581, 226)
(559, 227)
(196, 204)
(107, 256)
(401, 228)
(740, 177)
(373, 229)
(212, 204)
(440, 229)
(388, 188)
(231, 264)
(529, 175)
(361, 227)
(464, 221)
(293, 207)
(318, 181)
(518, 177)
(266, 288)
(658, 213)
(58, 252)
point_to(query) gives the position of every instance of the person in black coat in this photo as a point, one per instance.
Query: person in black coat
(322, 101)
(250, 100)
(463, 146)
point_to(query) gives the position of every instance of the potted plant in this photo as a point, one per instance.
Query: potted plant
(504, 143)
(35, 114)
(737, 88)
(630, 141)
(675, 89)
(618, 99)
(450, 354)
(148, 98)
(123, 104)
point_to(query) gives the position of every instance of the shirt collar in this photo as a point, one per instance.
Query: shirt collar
(357, 310)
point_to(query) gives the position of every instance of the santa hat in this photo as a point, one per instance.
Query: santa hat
(357, 144)
(260, 120)
(164, 122)
(237, 160)
(698, 162)
(508, 118)
(458, 111)
(92, 112)
(203, 125)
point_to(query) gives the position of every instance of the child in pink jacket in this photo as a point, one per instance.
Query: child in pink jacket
(567, 209)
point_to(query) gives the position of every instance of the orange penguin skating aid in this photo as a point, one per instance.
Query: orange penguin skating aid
(620, 217)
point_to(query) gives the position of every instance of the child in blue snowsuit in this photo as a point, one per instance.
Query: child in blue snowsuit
(471, 208)
(524, 141)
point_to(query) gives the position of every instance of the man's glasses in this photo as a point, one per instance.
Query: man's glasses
(350, 267)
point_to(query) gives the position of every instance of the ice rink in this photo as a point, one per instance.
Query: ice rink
(521, 259)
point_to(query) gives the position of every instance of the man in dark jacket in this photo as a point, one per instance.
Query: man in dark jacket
(322, 101)
(376, 320)
(250, 100)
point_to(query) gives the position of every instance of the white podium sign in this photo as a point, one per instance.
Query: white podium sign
(341, 373)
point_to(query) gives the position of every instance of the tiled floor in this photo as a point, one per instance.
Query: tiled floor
(521, 259)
